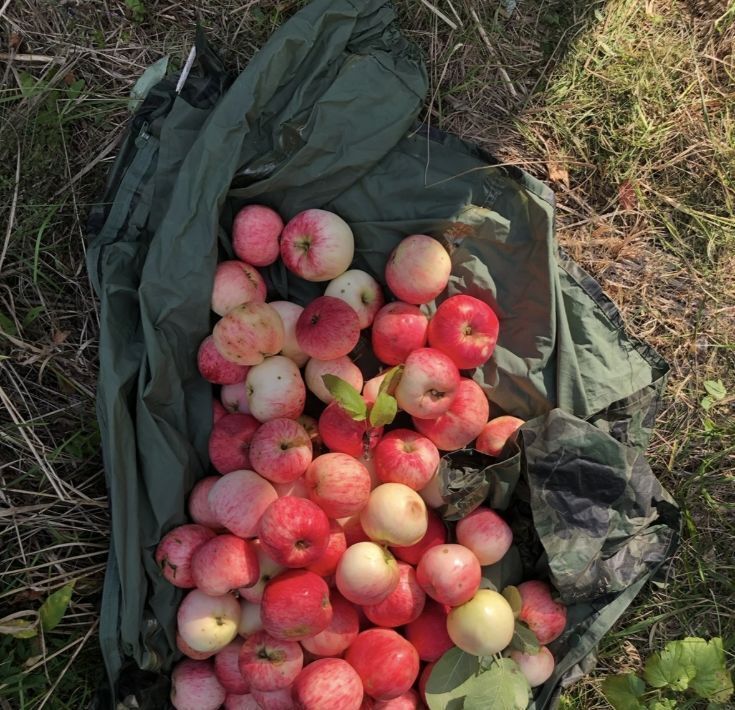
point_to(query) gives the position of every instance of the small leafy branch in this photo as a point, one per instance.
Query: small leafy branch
(382, 412)
(685, 670)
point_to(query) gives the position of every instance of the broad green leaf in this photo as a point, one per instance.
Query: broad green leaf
(446, 686)
(346, 396)
(524, 640)
(623, 692)
(502, 687)
(712, 680)
(391, 380)
(513, 597)
(706, 403)
(663, 704)
(384, 410)
(53, 609)
(673, 667)
(715, 389)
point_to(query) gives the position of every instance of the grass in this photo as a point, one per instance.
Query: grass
(625, 107)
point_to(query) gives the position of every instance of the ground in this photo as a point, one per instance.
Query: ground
(624, 107)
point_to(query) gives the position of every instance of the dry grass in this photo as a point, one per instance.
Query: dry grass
(626, 107)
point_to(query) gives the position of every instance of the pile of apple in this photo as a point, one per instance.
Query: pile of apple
(321, 578)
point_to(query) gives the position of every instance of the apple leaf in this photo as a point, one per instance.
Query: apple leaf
(446, 686)
(513, 597)
(623, 692)
(715, 389)
(53, 609)
(384, 410)
(524, 640)
(346, 396)
(501, 687)
(391, 380)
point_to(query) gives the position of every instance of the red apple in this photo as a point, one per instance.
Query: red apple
(317, 245)
(275, 389)
(224, 563)
(280, 450)
(234, 398)
(462, 422)
(494, 435)
(238, 500)
(449, 573)
(428, 633)
(290, 313)
(326, 564)
(296, 605)
(249, 333)
(343, 434)
(236, 283)
(338, 484)
(269, 664)
(255, 233)
(403, 456)
(194, 686)
(367, 573)
(294, 531)
(328, 684)
(199, 509)
(250, 620)
(214, 368)
(485, 533)
(537, 667)
(328, 328)
(353, 530)
(229, 442)
(418, 269)
(268, 569)
(275, 699)
(227, 669)
(408, 701)
(466, 329)
(360, 291)
(189, 652)
(218, 411)
(436, 534)
(174, 553)
(371, 389)
(394, 514)
(297, 488)
(398, 329)
(208, 623)
(341, 367)
(403, 605)
(544, 616)
(428, 384)
(241, 702)
(483, 625)
(340, 633)
(387, 664)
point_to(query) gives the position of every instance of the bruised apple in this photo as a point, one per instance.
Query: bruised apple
(544, 616)
(403, 605)
(249, 333)
(494, 435)
(428, 385)
(194, 686)
(450, 574)
(235, 283)
(208, 623)
(367, 573)
(175, 551)
(418, 269)
(395, 515)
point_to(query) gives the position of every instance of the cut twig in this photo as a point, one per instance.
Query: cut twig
(30, 58)
(503, 74)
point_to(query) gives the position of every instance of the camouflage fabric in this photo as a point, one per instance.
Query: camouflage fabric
(325, 115)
